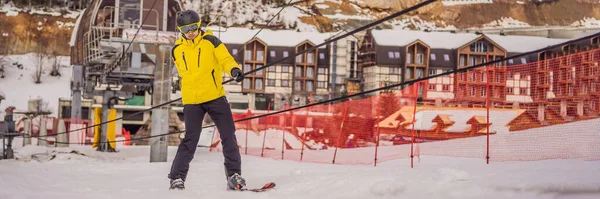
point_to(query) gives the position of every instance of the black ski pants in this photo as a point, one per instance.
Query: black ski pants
(220, 112)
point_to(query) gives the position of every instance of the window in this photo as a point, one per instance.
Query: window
(510, 61)
(523, 91)
(472, 91)
(320, 70)
(472, 60)
(285, 69)
(272, 53)
(484, 78)
(420, 58)
(499, 63)
(285, 53)
(483, 92)
(391, 54)
(432, 56)
(234, 51)
(479, 46)
(298, 72)
(432, 71)
(258, 83)
(298, 85)
(321, 55)
(320, 84)
(431, 87)
(408, 73)
(310, 58)
(397, 55)
(446, 87)
(259, 72)
(309, 86)
(260, 55)
(496, 93)
(270, 82)
(248, 55)
(246, 84)
(463, 60)
(310, 72)
(285, 83)
(299, 59)
(247, 68)
(420, 72)
(271, 68)
(510, 91)
(394, 70)
(446, 57)
(523, 60)
(409, 58)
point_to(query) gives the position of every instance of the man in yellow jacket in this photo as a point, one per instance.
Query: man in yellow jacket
(201, 58)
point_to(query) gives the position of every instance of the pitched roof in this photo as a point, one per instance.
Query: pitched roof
(478, 119)
(520, 44)
(448, 40)
(460, 116)
(443, 40)
(271, 37)
(444, 118)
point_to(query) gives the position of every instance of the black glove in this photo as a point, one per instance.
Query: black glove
(237, 74)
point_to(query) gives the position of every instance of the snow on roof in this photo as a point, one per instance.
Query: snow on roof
(271, 37)
(447, 40)
(499, 118)
(520, 44)
(586, 33)
(444, 40)
(75, 29)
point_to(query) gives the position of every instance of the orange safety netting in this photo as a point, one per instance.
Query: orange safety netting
(533, 111)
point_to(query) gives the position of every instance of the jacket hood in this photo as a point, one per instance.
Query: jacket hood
(183, 41)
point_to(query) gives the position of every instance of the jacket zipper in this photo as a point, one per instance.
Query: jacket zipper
(183, 54)
(213, 76)
(199, 52)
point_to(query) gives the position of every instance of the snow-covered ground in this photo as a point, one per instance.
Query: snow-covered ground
(19, 87)
(78, 172)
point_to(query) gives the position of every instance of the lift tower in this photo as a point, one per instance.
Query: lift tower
(120, 49)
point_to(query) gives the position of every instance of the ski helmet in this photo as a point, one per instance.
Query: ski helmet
(188, 17)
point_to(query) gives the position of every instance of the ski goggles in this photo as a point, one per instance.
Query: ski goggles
(189, 28)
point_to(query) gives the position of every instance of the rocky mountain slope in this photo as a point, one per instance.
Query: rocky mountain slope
(328, 15)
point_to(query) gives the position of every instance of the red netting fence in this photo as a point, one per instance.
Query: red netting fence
(531, 111)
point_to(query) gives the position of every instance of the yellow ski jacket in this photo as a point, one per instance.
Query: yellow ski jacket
(201, 63)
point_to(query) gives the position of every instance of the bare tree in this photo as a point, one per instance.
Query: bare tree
(56, 65)
(39, 58)
(41, 52)
(42, 107)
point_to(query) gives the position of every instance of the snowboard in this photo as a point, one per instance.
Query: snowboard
(266, 187)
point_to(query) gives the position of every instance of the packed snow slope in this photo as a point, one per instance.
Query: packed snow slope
(79, 171)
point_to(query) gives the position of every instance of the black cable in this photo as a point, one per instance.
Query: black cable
(131, 115)
(142, 25)
(402, 12)
(163, 104)
(274, 16)
(409, 82)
